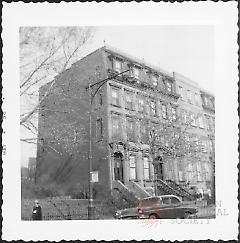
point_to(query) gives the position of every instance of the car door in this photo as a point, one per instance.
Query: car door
(176, 208)
(166, 208)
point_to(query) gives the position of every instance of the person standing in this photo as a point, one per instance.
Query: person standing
(37, 211)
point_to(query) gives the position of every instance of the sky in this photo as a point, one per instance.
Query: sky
(188, 50)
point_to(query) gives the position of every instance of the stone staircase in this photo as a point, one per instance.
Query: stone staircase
(184, 193)
(171, 187)
(122, 191)
(138, 191)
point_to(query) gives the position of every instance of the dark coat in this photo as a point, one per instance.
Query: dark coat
(37, 213)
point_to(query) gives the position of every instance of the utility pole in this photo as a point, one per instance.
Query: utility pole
(90, 201)
(91, 96)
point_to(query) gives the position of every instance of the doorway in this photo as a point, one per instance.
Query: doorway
(159, 171)
(118, 166)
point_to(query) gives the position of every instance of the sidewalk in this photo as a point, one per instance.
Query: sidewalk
(206, 211)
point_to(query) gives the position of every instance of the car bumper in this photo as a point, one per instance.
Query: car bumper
(119, 216)
(193, 216)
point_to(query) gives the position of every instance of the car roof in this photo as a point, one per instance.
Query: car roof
(161, 196)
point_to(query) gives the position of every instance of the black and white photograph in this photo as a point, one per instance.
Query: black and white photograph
(115, 124)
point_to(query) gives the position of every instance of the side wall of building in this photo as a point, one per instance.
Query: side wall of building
(63, 144)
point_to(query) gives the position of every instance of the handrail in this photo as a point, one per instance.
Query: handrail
(174, 184)
(139, 188)
(166, 185)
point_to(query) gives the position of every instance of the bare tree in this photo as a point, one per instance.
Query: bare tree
(44, 53)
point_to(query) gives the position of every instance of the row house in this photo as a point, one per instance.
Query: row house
(131, 98)
(197, 171)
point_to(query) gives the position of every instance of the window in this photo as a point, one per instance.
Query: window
(144, 133)
(174, 114)
(212, 123)
(115, 97)
(132, 167)
(174, 200)
(116, 127)
(129, 100)
(130, 130)
(207, 171)
(118, 66)
(99, 129)
(180, 175)
(169, 86)
(190, 172)
(211, 145)
(136, 72)
(180, 90)
(212, 102)
(189, 96)
(153, 108)
(140, 105)
(196, 143)
(193, 120)
(154, 80)
(164, 111)
(199, 171)
(146, 168)
(149, 202)
(166, 200)
(208, 122)
(200, 120)
(206, 101)
(100, 97)
(196, 99)
(184, 116)
(204, 146)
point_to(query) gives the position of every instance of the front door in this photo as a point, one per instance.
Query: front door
(159, 171)
(118, 168)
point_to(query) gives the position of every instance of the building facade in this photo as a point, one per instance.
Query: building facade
(197, 171)
(130, 98)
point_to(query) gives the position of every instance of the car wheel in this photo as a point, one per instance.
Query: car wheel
(187, 215)
(153, 216)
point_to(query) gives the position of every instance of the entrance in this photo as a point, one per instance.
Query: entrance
(118, 166)
(160, 171)
(158, 168)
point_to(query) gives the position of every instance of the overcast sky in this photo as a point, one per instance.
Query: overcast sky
(184, 49)
(188, 50)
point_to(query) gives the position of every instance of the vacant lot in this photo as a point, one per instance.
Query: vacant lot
(63, 209)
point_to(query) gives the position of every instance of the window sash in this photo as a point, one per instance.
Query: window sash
(129, 101)
(193, 120)
(116, 127)
(196, 98)
(164, 111)
(153, 107)
(174, 114)
(180, 92)
(146, 168)
(132, 167)
(189, 96)
(169, 86)
(118, 66)
(136, 72)
(115, 97)
(144, 135)
(131, 130)
(154, 80)
(140, 105)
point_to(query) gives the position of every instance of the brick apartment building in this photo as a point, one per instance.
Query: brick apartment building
(122, 111)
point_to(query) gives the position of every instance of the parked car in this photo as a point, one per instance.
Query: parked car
(159, 207)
